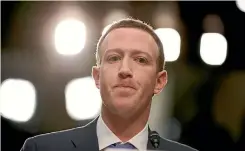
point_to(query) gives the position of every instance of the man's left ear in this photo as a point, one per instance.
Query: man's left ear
(161, 81)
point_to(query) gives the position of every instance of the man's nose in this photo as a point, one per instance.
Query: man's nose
(125, 69)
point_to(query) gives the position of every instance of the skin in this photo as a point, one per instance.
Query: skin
(127, 79)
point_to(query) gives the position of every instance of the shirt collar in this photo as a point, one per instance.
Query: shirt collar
(106, 137)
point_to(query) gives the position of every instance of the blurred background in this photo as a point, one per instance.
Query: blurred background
(47, 52)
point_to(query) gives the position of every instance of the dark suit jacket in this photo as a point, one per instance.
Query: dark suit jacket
(85, 139)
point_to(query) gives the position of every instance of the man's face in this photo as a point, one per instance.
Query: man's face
(128, 77)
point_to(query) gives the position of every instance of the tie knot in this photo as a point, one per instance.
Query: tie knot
(122, 146)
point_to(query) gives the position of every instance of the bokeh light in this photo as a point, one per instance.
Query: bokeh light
(213, 48)
(83, 99)
(70, 37)
(18, 100)
(241, 5)
(171, 41)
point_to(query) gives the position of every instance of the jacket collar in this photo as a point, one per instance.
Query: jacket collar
(106, 137)
(85, 138)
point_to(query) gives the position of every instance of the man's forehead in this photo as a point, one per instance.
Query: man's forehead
(117, 36)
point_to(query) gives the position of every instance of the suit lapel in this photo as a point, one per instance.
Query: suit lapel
(85, 138)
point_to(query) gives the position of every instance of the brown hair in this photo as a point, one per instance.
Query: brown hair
(133, 23)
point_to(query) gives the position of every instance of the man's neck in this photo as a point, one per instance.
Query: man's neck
(125, 129)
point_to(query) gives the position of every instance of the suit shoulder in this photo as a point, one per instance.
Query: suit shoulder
(29, 145)
(63, 134)
(59, 140)
(173, 145)
(53, 138)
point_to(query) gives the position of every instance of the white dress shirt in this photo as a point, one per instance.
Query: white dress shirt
(106, 137)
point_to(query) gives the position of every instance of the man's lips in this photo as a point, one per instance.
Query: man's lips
(124, 86)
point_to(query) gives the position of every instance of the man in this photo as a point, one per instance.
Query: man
(129, 72)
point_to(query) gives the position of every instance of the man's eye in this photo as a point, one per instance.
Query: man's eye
(114, 58)
(141, 60)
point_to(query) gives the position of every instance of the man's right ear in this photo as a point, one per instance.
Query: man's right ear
(96, 76)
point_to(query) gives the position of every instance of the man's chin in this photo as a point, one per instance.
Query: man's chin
(124, 112)
(123, 105)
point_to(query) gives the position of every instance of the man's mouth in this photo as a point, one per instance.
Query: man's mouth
(125, 86)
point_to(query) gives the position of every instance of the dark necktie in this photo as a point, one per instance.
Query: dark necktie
(122, 146)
